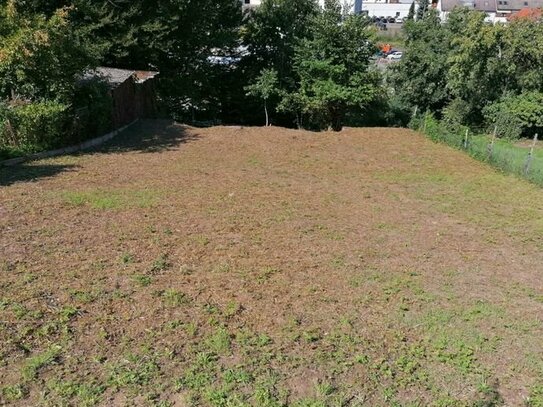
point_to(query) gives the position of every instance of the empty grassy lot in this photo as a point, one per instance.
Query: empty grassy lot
(269, 267)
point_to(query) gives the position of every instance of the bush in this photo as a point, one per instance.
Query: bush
(516, 115)
(34, 126)
(93, 110)
(456, 114)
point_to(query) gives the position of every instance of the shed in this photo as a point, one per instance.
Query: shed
(133, 93)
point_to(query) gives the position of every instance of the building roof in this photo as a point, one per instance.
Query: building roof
(449, 5)
(527, 13)
(489, 6)
(485, 5)
(115, 77)
(143, 76)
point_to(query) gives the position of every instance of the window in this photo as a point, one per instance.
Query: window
(526, 3)
(247, 1)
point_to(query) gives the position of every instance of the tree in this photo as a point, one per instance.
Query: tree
(419, 80)
(271, 33)
(41, 56)
(264, 87)
(411, 13)
(332, 66)
(476, 70)
(423, 8)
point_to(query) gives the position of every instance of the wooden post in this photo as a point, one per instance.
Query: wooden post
(530, 157)
(466, 139)
(490, 149)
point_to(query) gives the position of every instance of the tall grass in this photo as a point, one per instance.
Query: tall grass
(503, 154)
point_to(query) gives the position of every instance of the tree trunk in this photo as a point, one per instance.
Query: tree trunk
(266, 111)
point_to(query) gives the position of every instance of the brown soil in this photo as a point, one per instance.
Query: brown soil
(367, 267)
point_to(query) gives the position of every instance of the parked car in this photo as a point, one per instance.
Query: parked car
(399, 20)
(391, 20)
(395, 55)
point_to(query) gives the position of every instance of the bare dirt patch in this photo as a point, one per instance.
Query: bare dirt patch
(269, 267)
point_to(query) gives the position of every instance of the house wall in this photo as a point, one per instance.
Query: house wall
(386, 9)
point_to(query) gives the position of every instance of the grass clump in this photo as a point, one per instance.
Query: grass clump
(220, 341)
(174, 298)
(133, 370)
(160, 264)
(38, 362)
(86, 394)
(142, 279)
(14, 392)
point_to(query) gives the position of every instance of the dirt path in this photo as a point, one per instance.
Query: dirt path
(269, 267)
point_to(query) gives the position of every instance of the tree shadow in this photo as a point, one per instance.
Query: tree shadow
(148, 136)
(145, 136)
(31, 172)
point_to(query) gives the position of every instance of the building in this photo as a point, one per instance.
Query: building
(496, 10)
(387, 8)
(133, 93)
(356, 5)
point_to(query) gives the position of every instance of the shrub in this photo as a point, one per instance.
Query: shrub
(93, 109)
(34, 126)
(517, 115)
(456, 114)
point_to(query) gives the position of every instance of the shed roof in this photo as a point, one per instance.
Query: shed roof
(114, 76)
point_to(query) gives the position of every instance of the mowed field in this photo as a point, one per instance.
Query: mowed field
(269, 267)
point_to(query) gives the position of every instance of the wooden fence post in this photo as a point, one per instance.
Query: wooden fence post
(466, 139)
(530, 157)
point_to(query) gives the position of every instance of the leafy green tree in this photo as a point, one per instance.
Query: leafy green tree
(411, 13)
(424, 6)
(521, 55)
(264, 87)
(40, 56)
(476, 69)
(419, 80)
(333, 66)
(516, 115)
(271, 33)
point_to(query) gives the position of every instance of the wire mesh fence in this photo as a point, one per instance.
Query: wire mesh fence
(524, 160)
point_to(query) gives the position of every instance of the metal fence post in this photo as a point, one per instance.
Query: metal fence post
(466, 139)
(530, 157)
(490, 148)
(424, 125)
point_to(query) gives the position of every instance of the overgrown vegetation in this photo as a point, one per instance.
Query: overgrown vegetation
(468, 72)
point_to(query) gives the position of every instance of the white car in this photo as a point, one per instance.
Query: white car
(396, 55)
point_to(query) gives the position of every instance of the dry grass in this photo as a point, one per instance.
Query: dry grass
(269, 267)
